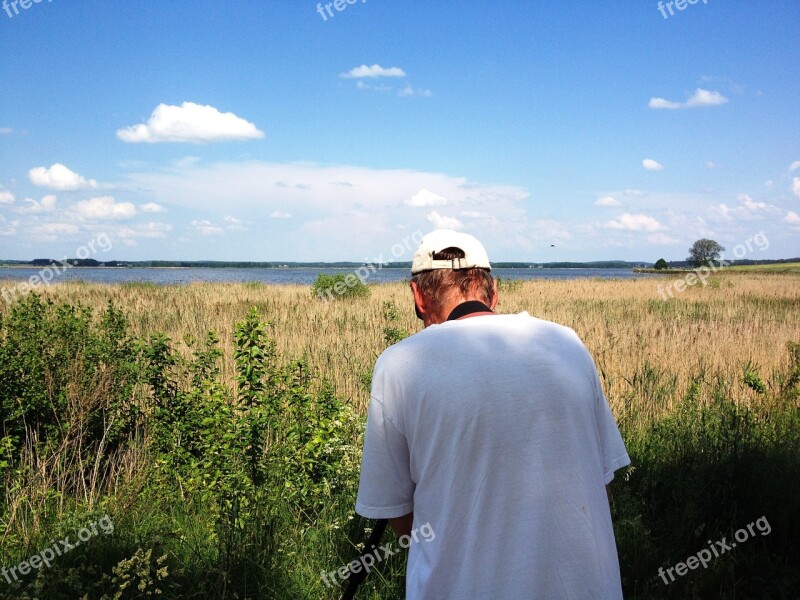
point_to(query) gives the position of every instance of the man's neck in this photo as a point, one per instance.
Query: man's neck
(469, 308)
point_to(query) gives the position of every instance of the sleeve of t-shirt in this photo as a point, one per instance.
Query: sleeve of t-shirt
(385, 490)
(615, 456)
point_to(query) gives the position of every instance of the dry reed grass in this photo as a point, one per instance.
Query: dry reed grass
(714, 329)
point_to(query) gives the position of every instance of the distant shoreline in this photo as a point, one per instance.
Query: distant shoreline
(790, 264)
(285, 267)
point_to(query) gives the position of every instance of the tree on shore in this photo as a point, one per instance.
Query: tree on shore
(661, 264)
(704, 252)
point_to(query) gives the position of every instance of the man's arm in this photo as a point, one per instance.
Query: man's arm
(402, 525)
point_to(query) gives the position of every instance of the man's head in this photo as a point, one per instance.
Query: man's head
(449, 268)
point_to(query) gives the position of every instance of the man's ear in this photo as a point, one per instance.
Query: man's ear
(419, 301)
(495, 297)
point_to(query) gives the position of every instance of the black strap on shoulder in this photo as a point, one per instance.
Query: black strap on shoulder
(467, 308)
(355, 579)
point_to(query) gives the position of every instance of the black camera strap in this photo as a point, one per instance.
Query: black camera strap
(355, 579)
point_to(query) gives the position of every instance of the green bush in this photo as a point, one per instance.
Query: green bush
(339, 286)
(508, 285)
(66, 387)
(214, 489)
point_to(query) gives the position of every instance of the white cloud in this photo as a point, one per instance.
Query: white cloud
(700, 97)
(410, 90)
(794, 166)
(6, 197)
(748, 210)
(661, 239)
(104, 208)
(710, 164)
(152, 207)
(351, 229)
(234, 224)
(796, 186)
(59, 177)
(607, 201)
(5, 130)
(792, 218)
(47, 205)
(373, 71)
(634, 192)
(380, 87)
(551, 230)
(190, 122)
(263, 187)
(323, 215)
(751, 204)
(426, 198)
(703, 97)
(631, 222)
(205, 227)
(652, 165)
(662, 103)
(151, 230)
(10, 229)
(50, 231)
(443, 222)
(475, 214)
(154, 229)
(723, 211)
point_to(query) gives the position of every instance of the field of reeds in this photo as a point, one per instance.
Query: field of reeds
(229, 461)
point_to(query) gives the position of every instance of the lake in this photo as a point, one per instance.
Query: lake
(301, 276)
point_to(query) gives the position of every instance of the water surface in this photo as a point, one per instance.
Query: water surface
(301, 276)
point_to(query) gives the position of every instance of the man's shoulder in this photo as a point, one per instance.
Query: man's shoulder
(524, 323)
(521, 323)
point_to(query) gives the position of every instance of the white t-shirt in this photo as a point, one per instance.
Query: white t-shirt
(494, 430)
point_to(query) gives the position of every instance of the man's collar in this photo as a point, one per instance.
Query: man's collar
(467, 308)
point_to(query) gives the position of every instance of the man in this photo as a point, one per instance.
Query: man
(494, 430)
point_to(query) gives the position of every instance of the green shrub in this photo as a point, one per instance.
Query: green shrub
(508, 285)
(222, 486)
(67, 382)
(339, 286)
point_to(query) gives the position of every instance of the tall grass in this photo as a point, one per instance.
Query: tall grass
(229, 460)
(713, 329)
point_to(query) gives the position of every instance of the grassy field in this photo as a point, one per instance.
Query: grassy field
(715, 329)
(793, 267)
(704, 386)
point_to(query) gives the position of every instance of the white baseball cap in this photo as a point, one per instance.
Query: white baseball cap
(474, 253)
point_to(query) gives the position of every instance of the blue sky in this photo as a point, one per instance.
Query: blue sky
(263, 130)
